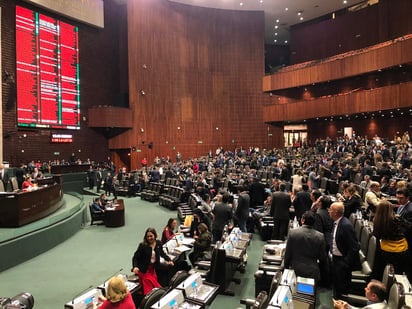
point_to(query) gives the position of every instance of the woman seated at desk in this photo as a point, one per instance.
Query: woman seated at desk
(168, 231)
(146, 258)
(117, 295)
(201, 247)
(27, 184)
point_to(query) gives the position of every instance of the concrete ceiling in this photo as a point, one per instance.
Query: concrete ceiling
(280, 14)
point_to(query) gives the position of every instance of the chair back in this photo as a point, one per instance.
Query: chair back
(358, 229)
(217, 272)
(2, 186)
(151, 298)
(275, 283)
(178, 278)
(371, 252)
(14, 184)
(396, 296)
(388, 277)
(352, 218)
(261, 300)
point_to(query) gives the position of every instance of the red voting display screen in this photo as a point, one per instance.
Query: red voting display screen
(47, 53)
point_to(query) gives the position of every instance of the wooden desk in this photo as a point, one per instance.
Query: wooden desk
(114, 214)
(22, 207)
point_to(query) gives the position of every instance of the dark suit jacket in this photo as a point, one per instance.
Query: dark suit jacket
(406, 213)
(305, 246)
(143, 254)
(257, 194)
(223, 213)
(302, 203)
(242, 210)
(347, 243)
(324, 224)
(280, 205)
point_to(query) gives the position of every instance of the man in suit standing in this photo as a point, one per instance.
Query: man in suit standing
(279, 210)
(222, 214)
(302, 201)
(344, 249)
(90, 177)
(242, 211)
(304, 248)
(20, 172)
(405, 211)
(99, 178)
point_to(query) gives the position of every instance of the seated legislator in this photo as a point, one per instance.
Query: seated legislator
(27, 183)
(375, 292)
(97, 205)
(201, 247)
(304, 248)
(146, 258)
(168, 231)
(117, 295)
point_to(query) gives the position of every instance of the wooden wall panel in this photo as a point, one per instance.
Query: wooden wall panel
(110, 116)
(203, 74)
(378, 23)
(371, 60)
(389, 97)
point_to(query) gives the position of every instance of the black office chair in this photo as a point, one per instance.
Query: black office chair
(151, 298)
(178, 278)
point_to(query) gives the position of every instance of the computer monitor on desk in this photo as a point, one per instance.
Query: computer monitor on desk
(174, 300)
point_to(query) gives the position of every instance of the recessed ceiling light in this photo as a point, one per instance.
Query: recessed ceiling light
(301, 18)
(299, 13)
(345, 1)
(276, 26)
(241, 3)
(277, 20)
(286, 9)
(286, 42)
(275, 41)
(261, 1)
(276, 33)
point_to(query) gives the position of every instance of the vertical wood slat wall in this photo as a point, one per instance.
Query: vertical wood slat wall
(200, 70)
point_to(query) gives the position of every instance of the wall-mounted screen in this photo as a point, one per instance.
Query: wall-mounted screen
(47, 55)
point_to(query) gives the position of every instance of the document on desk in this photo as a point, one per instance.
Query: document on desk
(110, 208)
(188, 241)
(182, 249)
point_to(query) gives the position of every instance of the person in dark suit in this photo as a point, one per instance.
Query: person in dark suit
(155, 175)
(108, 184)
(20, 172)
(99, 178)
(344, 249)
(222, 214)
(304, 248)
(257, 193)
(302, 201)
(279, 210)
(323, 222)
(242, 211)
(90, 177)
(405, 211)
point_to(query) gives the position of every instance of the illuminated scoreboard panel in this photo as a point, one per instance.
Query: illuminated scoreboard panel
(47, 72)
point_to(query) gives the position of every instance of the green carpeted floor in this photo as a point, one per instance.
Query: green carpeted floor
(95, 253)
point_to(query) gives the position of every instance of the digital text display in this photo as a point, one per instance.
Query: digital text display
(47, 55)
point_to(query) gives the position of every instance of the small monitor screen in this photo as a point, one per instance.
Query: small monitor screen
(305, 289)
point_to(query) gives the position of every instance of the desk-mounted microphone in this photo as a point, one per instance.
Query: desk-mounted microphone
(77, 295)
(105, 281)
